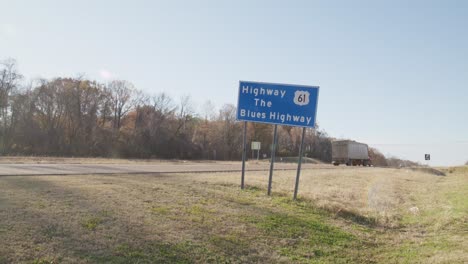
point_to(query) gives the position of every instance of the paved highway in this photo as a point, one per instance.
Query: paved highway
(77, 169)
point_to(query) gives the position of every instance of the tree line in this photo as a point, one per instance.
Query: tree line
(80, 117)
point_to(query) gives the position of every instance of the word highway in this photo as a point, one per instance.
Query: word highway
(263, 91)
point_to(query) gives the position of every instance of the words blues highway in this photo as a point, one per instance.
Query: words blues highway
(277, 104)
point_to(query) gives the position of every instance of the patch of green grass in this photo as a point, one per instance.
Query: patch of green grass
(301, 232)
(3, 229)
(297, 230)
(105, 213)
(91, 223)
(44, 261)
(441, 243)
(160, 210)
(413, 252)
(254, 190)
(305, 238)
(285, 201)
(311, 228)
(405, 253)
(230, 245)
(128, 253)
(238, 199)
(40, 204)
(3, 259)
(53, 230)
(458, 200)
(196, 210)
(159, 252)
(199, 213)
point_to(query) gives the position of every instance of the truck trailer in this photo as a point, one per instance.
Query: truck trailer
(350, 152)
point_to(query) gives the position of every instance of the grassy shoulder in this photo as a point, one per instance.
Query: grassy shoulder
(439, 227)
(194, 218)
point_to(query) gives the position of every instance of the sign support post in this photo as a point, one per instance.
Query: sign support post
(273, 150)
(299, 163)
(244, 153)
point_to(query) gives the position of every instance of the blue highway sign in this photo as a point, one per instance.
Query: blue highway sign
(281, 104)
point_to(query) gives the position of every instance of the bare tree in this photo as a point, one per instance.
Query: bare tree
(184, 113)
(228, 133)
(9, 79)
(208, 110)
(163, 104)
(202, 131)
(123, 98)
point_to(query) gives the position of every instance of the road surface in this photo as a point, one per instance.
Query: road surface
(77, 169)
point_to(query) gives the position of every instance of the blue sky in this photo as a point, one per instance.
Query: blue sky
(393, 74)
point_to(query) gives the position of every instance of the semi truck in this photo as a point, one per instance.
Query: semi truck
(350, 152)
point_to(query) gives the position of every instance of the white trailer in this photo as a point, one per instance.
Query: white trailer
(350, 152)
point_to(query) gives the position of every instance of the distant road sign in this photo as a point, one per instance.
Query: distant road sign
(427, 156)
(282, 104)
(255, 145)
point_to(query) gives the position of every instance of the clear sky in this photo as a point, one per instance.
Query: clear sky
(393, 74)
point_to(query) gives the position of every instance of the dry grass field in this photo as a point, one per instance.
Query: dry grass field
(358, 215)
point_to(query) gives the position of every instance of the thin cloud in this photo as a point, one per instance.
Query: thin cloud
(8, 30)
(106, 74)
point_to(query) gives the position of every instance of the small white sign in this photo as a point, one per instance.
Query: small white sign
(255, 145)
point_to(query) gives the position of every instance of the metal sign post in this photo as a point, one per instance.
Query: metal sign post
(273, 150)
(244, 153)
(299, 163)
